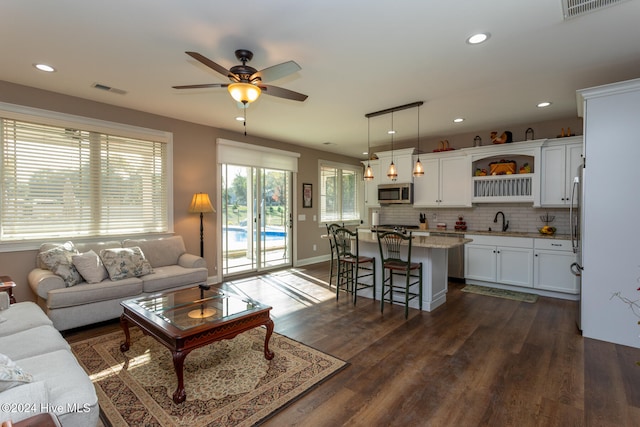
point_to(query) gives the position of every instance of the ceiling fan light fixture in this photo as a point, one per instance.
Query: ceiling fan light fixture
(244, 92)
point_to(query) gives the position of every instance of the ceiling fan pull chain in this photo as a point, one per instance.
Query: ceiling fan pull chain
(245, 118)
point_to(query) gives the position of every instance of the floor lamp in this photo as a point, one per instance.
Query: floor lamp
(201, 204)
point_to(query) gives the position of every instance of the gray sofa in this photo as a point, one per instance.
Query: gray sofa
(39, 372)
(71, 300)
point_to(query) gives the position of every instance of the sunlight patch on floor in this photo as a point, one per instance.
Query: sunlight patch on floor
(279, 289)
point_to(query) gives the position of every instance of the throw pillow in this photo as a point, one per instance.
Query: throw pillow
(122, 263)
(11, 374)
(90, 267)
(58, 260)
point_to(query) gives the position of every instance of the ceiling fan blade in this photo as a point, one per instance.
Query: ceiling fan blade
(216, 67)
(283, 93)
(206, 85)
(276, 72)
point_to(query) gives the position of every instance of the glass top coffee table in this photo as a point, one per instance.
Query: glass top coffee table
(190, 318)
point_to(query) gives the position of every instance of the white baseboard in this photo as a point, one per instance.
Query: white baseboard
(313, 260)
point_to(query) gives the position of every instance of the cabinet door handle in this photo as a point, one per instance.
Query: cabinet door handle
(556, 244)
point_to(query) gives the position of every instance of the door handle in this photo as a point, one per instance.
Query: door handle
(576, 269)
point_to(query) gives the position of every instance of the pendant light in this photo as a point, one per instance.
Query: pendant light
(418, 170)
(368, 173)
(392, 172)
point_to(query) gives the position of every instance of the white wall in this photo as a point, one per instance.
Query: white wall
(611, 254)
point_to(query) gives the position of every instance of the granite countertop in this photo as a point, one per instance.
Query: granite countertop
(528, 234)
(535, 235)
(436, 242)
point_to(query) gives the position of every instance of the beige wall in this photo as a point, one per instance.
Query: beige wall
(194, 170)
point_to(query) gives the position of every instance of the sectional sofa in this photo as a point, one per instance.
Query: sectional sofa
(38, 372)
(81, 284)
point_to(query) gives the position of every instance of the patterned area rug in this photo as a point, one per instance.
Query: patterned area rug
(501, 293)
(228, 383)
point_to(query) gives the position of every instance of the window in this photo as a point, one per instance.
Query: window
(65, 181)
(339, 192)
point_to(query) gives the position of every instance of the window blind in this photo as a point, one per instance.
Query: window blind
(339, 199)
(59, 181)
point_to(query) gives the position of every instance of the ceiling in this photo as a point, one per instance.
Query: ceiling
(357, 57)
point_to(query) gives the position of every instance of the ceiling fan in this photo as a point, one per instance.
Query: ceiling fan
(247, 82)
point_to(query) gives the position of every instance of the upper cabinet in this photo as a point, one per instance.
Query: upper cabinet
(560, 161)
(403, 159)
(506, 173)
(446, 181)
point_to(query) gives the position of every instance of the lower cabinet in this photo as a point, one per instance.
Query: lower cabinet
(506, 260)
(526, 262)
(551, 264)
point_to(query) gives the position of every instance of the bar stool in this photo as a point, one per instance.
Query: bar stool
(332, 246)
(389, 244)
(352, 267)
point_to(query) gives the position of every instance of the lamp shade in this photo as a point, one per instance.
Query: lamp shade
(201, 204)
(418, 169)
(244, 92)
(392, 172)
(368, 173)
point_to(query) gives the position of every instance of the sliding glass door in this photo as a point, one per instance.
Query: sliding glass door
(256, 219)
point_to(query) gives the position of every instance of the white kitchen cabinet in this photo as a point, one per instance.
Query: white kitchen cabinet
(446, 181)
(551, 266)
(371, 187)
(403, 159)
(480, 262)
(496, 259)
(560, 160)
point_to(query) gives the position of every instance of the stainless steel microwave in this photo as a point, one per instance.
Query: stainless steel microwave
(395, 193)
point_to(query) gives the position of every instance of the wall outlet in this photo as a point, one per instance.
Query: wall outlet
(315, 247)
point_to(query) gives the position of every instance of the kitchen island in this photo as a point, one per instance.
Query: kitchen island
(431, 251)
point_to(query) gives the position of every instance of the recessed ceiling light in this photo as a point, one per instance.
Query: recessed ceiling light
(391, 132)
(478, 38)
(45, 67)
(364, 153)
(240, 119)
(544, 104)
(458, 120)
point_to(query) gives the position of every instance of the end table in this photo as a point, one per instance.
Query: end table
(7, 285)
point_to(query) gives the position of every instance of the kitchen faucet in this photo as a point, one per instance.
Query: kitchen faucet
(505, 225)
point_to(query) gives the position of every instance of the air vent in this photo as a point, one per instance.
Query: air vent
(109, 88)
(574, 8)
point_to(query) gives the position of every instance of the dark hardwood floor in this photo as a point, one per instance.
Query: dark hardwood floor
(476, 361)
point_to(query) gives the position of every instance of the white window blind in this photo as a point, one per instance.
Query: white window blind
(339, 199)
(59, 181)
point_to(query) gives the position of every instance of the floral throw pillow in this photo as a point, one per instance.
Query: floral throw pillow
(11, 374)
(122, 263)
(59, 260)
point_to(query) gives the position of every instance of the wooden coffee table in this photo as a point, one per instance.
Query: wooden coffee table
(191, 318)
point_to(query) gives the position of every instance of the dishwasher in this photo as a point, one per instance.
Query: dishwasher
(455, 268)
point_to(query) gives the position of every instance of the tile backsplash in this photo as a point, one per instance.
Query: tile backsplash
(522, 217)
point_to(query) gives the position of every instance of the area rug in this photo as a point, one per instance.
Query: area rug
(501, 293)
(228, 383)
